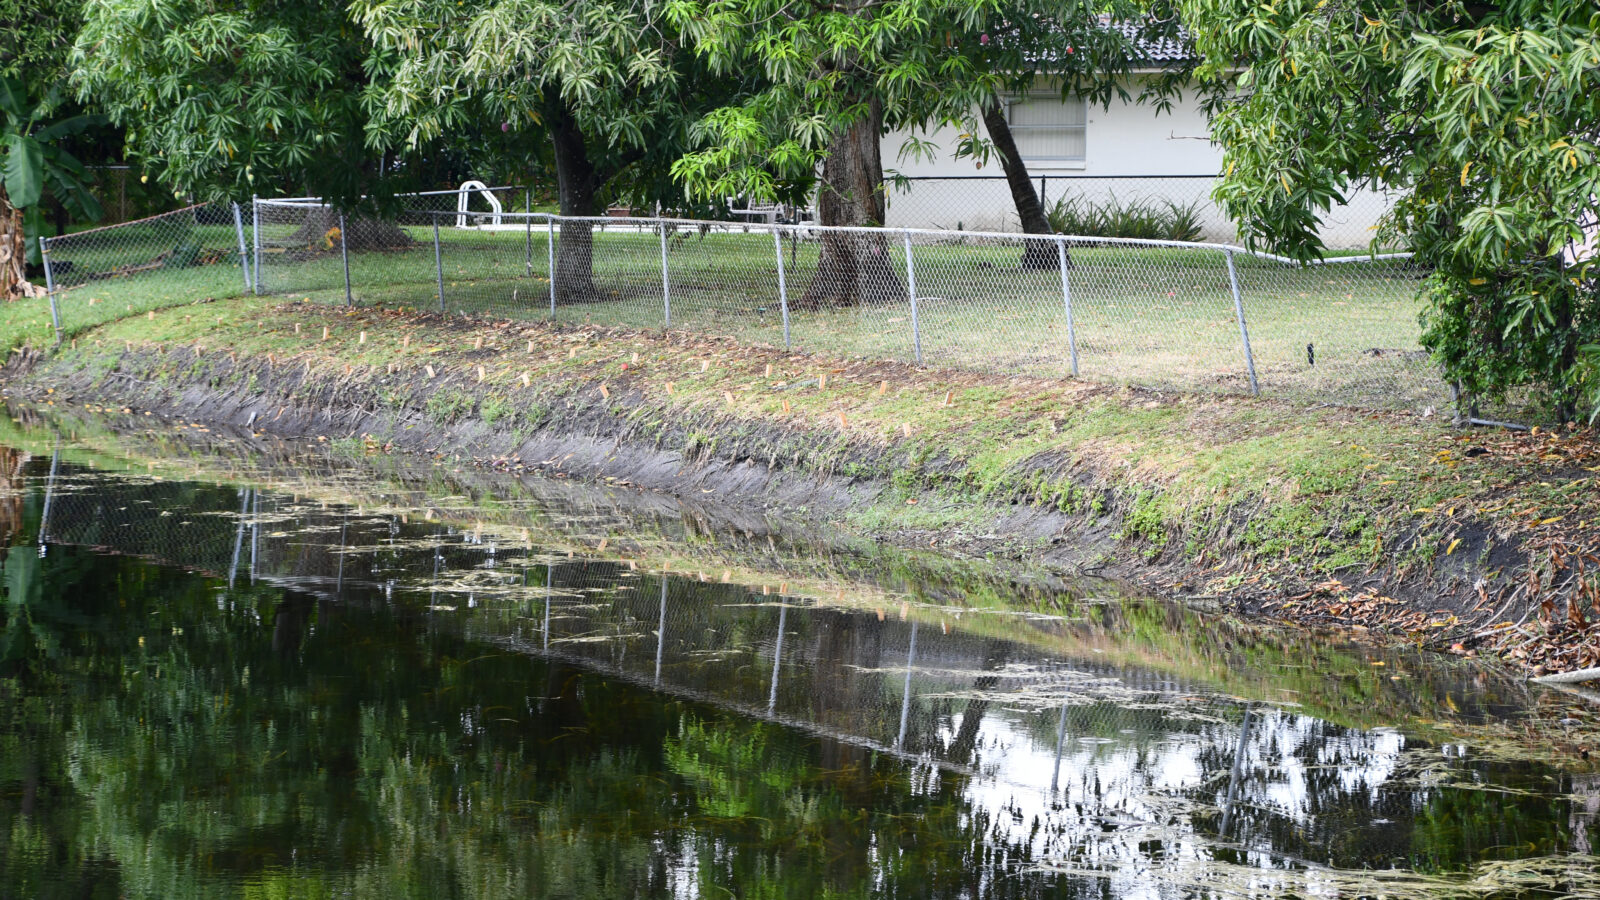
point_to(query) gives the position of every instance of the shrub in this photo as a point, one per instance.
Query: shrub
(1164, 220)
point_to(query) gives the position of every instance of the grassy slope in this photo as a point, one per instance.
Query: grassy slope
(1329, 511)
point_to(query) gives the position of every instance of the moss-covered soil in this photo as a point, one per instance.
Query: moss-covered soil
(1471, 542)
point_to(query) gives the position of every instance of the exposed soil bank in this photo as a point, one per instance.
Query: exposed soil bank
(1472, 542)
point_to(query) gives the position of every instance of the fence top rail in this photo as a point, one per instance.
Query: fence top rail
(1007, 236)
(171, 212)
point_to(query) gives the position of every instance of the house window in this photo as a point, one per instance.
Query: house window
(1048, 127)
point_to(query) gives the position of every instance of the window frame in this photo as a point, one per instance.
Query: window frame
(1014, 100)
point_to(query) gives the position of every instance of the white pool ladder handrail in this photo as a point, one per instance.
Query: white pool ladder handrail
(464, 193)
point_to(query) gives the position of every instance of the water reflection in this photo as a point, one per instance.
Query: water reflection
(217, 690)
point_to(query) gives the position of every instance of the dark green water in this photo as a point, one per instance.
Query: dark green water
(211, 690)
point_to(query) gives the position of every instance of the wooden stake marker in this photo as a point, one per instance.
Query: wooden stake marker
(480, 373)
(405, 343)
(843, 422)
(297, 328)
(822, 381)
(530, 346)
(728, 396)
(785, 407)
(605, 392)
(572, 353)
(363, 338)
(324, 332)
(769, 370)
(669, 389)
(883, 388)
(526, 380)
(705, 364)
(636, 357)
(429, 370)
(905, 428)
(477, 344)
(947, 397)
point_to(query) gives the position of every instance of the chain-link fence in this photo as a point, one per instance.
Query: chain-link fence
(1182, 315)
(307, 247)
(1162, 207)
(1177, 314)
(102, 274)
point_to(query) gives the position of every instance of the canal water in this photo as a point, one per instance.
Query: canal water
(232, 670)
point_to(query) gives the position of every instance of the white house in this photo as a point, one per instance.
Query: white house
(1127, 151)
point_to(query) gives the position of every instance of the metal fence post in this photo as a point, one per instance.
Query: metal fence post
(244, 254)
(1066, 300)
(344, 254)
(1237, 772)
(438, 260)
(49, 494)
(550, 253)
(50, 285)
(528, 221)
(911, 285)
(905, 700)
(255, 239)
(783, 285)
(666, 280)
(1244, 330)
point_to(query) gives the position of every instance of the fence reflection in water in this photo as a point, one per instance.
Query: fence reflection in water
(1053, 743)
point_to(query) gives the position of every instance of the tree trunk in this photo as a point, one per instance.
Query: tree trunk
(13, 251)
(1035, 254)
(577, 183)
(854, 268)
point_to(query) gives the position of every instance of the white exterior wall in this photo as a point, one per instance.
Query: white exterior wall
(1129, 140)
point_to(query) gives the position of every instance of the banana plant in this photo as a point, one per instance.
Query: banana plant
(34, 159)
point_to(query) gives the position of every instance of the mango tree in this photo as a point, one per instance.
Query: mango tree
(1086, 49)
(222, 101)
(1482, 117)
(838, 77)
(607, 85)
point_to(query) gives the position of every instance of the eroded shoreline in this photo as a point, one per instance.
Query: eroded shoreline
(1471, 543)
